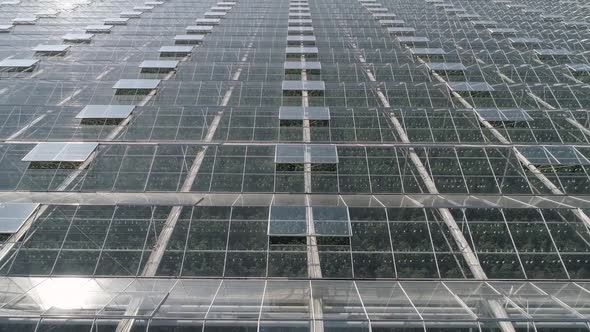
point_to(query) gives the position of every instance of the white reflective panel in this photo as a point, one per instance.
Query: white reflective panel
(287, 220)
(427, 51)
(24, 20)
(51, 48)
(220, 8)
(304, 113)
(180, 50)
(207, 21)
(13, 215)
(131, 14)
(72, 152)
(303, 86)
(5, 27)
(579, 67)
(469, 86)
(226, 3)
(299, 65)
(159, 64)
(116, 20)
(105, 112)
(78, 37)
(331, 221)
(446, 66)
(199, 28)
(494, 114)
(290, 154)
(520, 40)
(99, 28)
(301, 50)
(136, 84)
(153, 3)
(189, 39)
(409, 39)
(552, 52)
(17, 63)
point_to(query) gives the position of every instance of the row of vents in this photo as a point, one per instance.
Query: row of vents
(283, 220)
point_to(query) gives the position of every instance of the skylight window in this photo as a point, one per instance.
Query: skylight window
(143, 8)
(484, 24)
(579, 67)
(131, 14)
(199, 29)
(207, 21)
(446, 66)
(60, 152)
(331, 221)
(116, 20)
(297, 66)
(175, 51)
(469, 86)
(392, 23)
(501, 31)
(562, 155)
(18, 64)
(24, 20)
(412, 40)
(51, 49)
(510, 115)
(299, 22)
(158, 66)
(524, 41)
(299, 86)
(304, 113)
(105, 112)
(14, 215)
(214, 14)
(306, 154)
(301, 40)
(99, 28)
(287, 221)
(300, 30)
(401, 30)
(48, 13)
(189, 39)
(135, 86)
(427, 51)
(78, 37)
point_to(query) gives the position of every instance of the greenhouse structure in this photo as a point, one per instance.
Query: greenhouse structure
(294, 166)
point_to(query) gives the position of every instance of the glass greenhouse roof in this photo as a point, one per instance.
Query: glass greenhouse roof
(294, 165)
